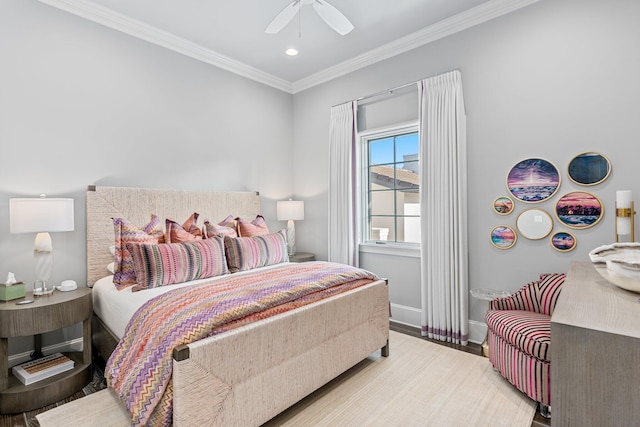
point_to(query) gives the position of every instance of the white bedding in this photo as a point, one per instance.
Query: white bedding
(115, 307)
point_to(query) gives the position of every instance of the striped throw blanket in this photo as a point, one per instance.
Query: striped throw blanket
(140, 368)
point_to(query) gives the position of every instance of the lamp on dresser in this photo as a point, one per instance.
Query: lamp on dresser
(41, 215)
(290, 210)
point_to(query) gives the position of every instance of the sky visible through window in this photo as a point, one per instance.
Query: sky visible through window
(381, 150)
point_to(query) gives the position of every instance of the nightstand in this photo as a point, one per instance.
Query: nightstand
(44, 314)
(302, 257)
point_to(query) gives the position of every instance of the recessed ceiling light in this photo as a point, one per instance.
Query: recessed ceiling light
(291, 52)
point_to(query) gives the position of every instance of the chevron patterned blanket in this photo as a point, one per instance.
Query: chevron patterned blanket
(140, 368)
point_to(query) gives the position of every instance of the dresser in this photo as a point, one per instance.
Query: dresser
(595, 352)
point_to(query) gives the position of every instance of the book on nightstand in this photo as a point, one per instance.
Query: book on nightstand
(45, 367)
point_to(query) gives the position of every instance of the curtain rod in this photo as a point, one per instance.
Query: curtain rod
(391, 90)
(382, 92)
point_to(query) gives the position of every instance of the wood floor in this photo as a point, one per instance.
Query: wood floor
(28, 419)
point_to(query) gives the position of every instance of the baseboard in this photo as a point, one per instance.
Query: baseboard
(477, 331)
(72, 345)
(410, 316)
(405, 315)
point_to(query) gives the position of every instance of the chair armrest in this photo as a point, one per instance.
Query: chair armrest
(525, 298)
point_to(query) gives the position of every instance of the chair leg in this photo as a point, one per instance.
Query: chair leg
(545, 410)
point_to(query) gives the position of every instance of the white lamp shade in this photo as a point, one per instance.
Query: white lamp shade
(36, 215)
(290, 209)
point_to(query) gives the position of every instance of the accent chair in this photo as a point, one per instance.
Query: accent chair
(519, 336)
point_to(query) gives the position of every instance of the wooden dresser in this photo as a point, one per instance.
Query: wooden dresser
(595, 352)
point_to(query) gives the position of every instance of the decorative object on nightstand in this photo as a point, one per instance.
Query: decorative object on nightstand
(625, 215)
(290, 210)
(11, 288)
(41, 215)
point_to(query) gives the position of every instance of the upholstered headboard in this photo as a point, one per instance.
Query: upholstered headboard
(137, 205)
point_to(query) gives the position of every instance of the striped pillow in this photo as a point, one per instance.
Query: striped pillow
(126, 232)
(245, 253)
(176, 233)
(226, 227)
(169, 263)
(257, 227)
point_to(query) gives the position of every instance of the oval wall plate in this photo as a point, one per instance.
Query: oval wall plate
(534, 224)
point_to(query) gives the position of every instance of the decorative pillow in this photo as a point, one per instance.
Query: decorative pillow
(111, 267)
(169, 263)
(126, 232)
(226, 227)
(187, 232)
(257, 227)
(245, 253)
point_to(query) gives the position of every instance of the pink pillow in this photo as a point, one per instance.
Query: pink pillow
(226, 227)
(257, 227)
(246, 253)
(125, 232)
(187, 232)
(166, 264)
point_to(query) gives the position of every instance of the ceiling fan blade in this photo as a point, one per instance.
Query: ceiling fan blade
(333, 17)
(283, 18)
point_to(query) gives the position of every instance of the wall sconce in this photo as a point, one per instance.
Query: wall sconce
(625, 215)
(289, 211)
(41, 215)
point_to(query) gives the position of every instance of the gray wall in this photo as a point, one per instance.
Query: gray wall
(551, 80)
(83, 104)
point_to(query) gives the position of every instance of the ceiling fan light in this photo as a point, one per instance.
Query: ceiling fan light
(291, 52)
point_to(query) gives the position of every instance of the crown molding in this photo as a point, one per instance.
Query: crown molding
(135, 28)
(462, 21)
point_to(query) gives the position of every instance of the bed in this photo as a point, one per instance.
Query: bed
(247, 375)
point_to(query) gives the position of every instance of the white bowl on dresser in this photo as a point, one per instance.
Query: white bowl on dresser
(619, 263)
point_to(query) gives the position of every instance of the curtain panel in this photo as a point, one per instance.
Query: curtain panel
(444, 246)
(343, 181)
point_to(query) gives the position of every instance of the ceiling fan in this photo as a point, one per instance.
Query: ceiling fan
(332, 16)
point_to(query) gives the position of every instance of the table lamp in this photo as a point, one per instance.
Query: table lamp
(290, 210)
(42, 216)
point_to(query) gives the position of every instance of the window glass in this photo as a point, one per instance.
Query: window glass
(392, 181)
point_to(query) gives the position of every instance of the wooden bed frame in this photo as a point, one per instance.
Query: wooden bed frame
(248, 375)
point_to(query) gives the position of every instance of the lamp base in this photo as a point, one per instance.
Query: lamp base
(291, 238)
(43, 255)
(38, 292)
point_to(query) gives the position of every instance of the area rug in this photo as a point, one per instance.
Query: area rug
(419, 384)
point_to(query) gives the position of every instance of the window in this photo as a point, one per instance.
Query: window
(391, 179)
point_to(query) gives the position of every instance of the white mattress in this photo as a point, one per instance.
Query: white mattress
(115, 307)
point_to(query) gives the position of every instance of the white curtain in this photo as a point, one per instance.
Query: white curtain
(444, 246)
(343, 206)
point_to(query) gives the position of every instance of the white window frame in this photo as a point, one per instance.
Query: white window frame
(372, 246)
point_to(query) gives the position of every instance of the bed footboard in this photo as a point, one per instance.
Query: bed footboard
(249, 375)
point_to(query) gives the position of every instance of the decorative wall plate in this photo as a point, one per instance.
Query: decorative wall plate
(503, 205)
(579, 210)
(563, 241)
(589, 168)
(503, 237)
(533, 180)
(534, 224)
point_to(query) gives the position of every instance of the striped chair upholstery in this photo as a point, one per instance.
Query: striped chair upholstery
(519, 335)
